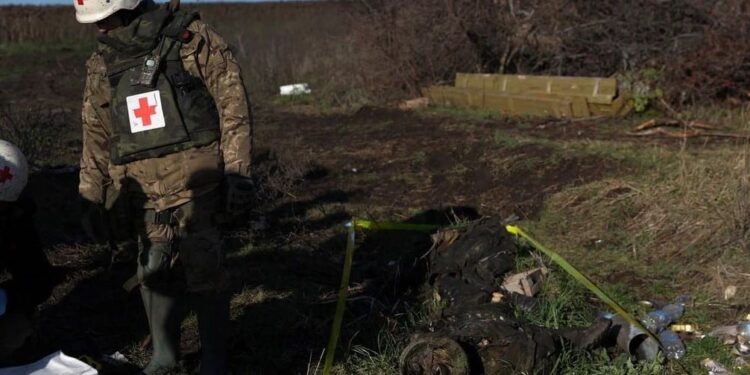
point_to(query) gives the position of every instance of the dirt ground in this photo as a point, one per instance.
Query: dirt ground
(319, 169)
(285, 258)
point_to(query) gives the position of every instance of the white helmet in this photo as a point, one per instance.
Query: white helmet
(14, 172)
(90, 11)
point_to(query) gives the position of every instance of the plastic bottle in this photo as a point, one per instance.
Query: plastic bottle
(657, 320)
(742, 345)
(673, 346)
(674, 310)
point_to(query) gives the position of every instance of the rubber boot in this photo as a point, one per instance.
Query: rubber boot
(587, 338)
(164, 316)
(213, 326)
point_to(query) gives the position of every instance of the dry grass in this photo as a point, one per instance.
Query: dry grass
(680, 227)
(288, 43)
(275, 43)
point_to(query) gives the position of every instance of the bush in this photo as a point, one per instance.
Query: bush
(701, 47)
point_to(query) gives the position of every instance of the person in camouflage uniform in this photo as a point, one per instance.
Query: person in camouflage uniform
(166, 151)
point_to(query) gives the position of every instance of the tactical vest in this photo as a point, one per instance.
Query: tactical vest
(158, 108)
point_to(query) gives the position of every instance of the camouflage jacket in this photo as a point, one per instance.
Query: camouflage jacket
(176, 178)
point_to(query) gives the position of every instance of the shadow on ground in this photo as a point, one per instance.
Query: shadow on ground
(285, 302)
(285, 279)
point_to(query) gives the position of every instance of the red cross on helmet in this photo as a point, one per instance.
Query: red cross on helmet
(90, 11)
(14, 172)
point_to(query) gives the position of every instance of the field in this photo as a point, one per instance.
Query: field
(645, 218)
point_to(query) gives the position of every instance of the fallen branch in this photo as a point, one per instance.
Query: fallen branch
(687, 133)
(654, 123)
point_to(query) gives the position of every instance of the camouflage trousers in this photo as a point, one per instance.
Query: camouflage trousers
(182, 247)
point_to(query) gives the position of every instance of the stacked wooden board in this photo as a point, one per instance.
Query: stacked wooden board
(521, 95)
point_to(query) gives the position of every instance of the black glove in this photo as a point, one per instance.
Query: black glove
(239, 194)
(93, 221)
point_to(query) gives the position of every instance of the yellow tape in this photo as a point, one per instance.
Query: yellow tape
(512, 229)
(346, 273)
(389, 225)
(338, 318)
(583, 279)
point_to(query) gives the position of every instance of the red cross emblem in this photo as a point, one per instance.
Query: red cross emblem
(80, 2)
(5, 175)
(144, 111)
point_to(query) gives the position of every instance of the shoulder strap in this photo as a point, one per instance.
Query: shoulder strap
(177, 27)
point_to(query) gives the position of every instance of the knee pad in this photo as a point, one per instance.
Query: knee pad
(154, 265)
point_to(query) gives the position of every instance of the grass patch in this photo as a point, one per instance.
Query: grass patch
(458, 113)
(678, 225)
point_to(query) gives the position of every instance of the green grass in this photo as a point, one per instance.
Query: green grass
(671, 224)
(598, 363)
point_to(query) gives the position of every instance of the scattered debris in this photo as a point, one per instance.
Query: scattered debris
(740, 362)
(640, 345)
(737, 335)
(497, 297)
(730, 292)
(117, 357)
(414, 103)
(742, 346)
(633, 341)
(674, 128)
(686, 328)
(673, 345)
(526, 283)
(714, 368)
(521, 95)
(726, 333)
(295, 89)
(654, 123)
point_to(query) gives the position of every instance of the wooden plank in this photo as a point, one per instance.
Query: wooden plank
(579, 105)
(518, 105)
(465, 80)
(596, 90)
(455, 97)
(532, 104)
(620, 106)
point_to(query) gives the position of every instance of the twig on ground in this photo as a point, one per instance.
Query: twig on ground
(687, 133)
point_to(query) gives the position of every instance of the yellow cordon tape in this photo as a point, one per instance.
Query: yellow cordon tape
(512, 229)
(345, 275)
(341, 302)
(389, 225)
(581, 278)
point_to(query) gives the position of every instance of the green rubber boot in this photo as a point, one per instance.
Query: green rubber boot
(164, 316)
(213, 327)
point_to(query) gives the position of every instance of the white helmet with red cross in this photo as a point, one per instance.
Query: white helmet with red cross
(14, 172)
(90, 11)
